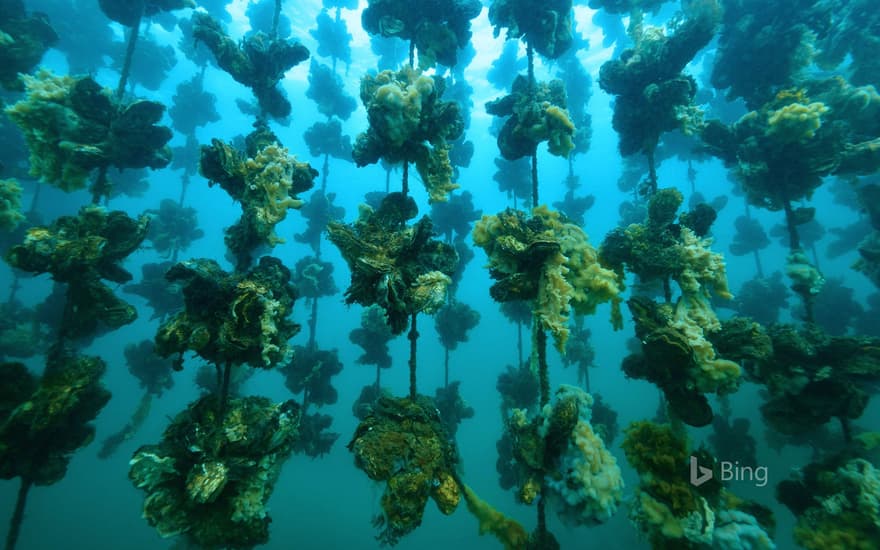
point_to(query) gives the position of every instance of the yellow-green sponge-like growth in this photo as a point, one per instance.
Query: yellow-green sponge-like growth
(796, 122)
(409, 123)
(46, 116)
(265, 179)
(708, 373)
(549, 260)
(703, 271)
(559, 131)
(268, 189)
(508, 531)
(806, 279)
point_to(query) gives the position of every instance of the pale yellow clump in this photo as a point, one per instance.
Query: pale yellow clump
(806, 279)
(573, 278)
(652, 516)
(690, 119)
(694, 318)
(436, 171)
(48, 120)
(560, 130)
(400, 105)
(586, 485)
(401, 102)
(269, 180)
(705, 270)
(519, 418)
(705, 274)
(399, 125)
(554, 297)
(489, 234)
(43, 86)
(592, 284)
(796, 122)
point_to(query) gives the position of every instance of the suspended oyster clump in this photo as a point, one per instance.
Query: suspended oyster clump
(404, 444)
(670, 510)
(173, 227)
(44, 421)
(545, 259)
(265, 180)
(259, 61)
(398, 267)
(24, 38)
(652, 93)
(96, 130)
(534, 115)
(677, 354)
(438, 30)
(210, 479)
(811, 376)
(81, 251)
(545, 26)
(409, 123)
(559, 455)
(231, 318)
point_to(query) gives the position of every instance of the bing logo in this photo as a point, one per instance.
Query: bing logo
(699, 474)
(730, 471)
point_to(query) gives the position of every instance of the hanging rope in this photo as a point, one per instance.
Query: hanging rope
(413, 339)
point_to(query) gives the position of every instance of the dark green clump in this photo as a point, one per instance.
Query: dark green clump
(44, 421)
(209, 479)
(398, 267)
(453, 321)
(29, 36)
(81, 251)
(437, 29)
(453, 408)
(231, 318)
(813, 377)
(259, 62)
(544, 26)
(310, 372)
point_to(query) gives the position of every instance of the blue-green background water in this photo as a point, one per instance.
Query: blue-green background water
(327, 502)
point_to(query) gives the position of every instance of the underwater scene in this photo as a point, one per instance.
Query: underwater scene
(435, 274)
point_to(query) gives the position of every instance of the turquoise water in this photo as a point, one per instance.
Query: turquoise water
(327, 502)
